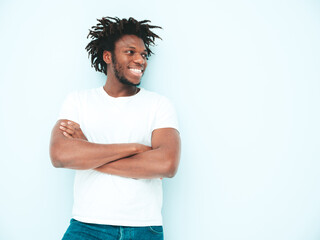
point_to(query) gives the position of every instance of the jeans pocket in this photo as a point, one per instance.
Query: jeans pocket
(156, 229)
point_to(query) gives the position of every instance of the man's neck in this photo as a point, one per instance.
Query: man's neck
(117, 89)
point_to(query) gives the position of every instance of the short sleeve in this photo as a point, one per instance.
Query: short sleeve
(70, 108)
(166, 116)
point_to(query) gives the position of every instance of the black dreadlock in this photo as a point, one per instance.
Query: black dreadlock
(109, 30)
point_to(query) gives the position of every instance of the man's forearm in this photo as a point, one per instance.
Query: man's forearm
(127, 160)
(80, 154)
(151, 164)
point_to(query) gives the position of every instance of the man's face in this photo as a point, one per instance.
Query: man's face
(129, 60)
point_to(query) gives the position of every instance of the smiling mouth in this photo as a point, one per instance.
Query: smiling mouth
(136, 71)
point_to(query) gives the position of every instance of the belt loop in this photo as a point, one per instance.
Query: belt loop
(121, 229)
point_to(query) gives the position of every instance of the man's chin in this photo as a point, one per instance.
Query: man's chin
(129, 83)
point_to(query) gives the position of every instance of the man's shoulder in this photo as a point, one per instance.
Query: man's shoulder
(152, 95)
(155, 100)
(84, 93)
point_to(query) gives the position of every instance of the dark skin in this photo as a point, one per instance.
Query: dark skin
(131, 55)
(69, 147)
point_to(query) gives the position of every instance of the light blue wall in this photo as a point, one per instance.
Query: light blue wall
(244, 77)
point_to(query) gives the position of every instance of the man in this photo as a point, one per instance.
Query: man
(128, 140)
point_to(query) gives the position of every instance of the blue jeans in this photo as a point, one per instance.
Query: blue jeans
(87, 231)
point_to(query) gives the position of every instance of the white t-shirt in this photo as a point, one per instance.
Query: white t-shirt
(108, 199)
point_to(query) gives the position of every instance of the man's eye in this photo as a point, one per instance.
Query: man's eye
(130, 52)
(144, 56)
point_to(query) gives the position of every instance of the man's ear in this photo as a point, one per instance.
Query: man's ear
(107, 57)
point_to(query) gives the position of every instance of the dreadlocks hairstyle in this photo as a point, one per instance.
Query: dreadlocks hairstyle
(109, 30)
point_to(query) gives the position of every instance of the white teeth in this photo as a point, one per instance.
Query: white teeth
(136, 70)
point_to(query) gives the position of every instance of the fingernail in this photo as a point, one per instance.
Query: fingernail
(69, 122)
(61, 127)
(63, 123)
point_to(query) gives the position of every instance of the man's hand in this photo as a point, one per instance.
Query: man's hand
(69, 148)
(161, 161)
(72, 129)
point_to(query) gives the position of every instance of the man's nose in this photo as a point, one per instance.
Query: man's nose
(139, 59)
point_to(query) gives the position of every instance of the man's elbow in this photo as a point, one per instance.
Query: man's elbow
(56, 163)
(171, 168)
(171, 173)
(57, 159)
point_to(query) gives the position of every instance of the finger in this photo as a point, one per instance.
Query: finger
(66, 134)
(76, 125)
(71, 127)
(69, 131)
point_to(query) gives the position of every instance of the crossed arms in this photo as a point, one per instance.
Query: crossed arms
(69, 148)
